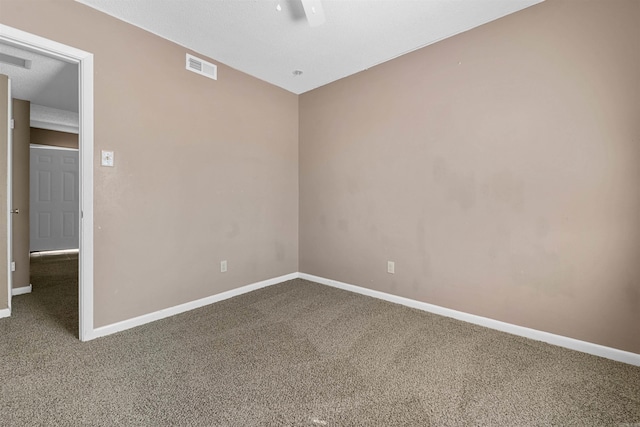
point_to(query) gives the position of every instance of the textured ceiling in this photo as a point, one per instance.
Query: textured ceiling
(254, 37)
(49, 82)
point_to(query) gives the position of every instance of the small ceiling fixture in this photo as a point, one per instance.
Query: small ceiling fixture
(297, 73)
(314, 11)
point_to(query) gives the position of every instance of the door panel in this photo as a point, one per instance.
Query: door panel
(54, 199)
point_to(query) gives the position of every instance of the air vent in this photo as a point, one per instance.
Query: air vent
(204, 68)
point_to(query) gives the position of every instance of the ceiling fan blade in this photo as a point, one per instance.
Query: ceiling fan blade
(314, 11)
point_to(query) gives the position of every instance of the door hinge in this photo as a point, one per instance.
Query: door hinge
(13, 124)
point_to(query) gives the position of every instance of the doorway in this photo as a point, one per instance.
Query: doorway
(84, 61)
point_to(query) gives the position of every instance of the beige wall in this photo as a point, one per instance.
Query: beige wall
(205, 170)
(20, 193)
(4, 209)
(498, 169)
(54, 138)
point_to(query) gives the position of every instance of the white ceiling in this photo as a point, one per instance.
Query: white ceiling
(49, 82)
(254, 37)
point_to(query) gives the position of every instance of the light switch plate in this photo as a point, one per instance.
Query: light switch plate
(107, 158)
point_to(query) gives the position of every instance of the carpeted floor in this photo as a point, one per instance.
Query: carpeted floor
(294, 354)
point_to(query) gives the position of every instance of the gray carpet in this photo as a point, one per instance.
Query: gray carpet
(294, 354)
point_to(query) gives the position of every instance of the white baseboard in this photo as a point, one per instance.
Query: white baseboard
(36, 254)
(5, 312)
(22, 290)
(559, 340)
(172, 311)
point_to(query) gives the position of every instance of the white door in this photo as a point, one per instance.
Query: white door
(54, 199)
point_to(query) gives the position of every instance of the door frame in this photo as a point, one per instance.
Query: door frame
(84, 60)
(9, 154)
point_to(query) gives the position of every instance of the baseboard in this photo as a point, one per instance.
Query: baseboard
(22, 290)
(54, 251)
(172, 311)
(559, 340)
(5, 312)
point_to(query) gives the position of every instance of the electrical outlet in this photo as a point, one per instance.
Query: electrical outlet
(223, 266)
(391, 267)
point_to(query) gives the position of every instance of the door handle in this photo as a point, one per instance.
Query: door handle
(15, 211)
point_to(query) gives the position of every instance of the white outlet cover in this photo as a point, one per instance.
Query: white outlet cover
(107, 158)
(391, 267)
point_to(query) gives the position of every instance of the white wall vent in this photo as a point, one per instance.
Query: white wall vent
(202, 67)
